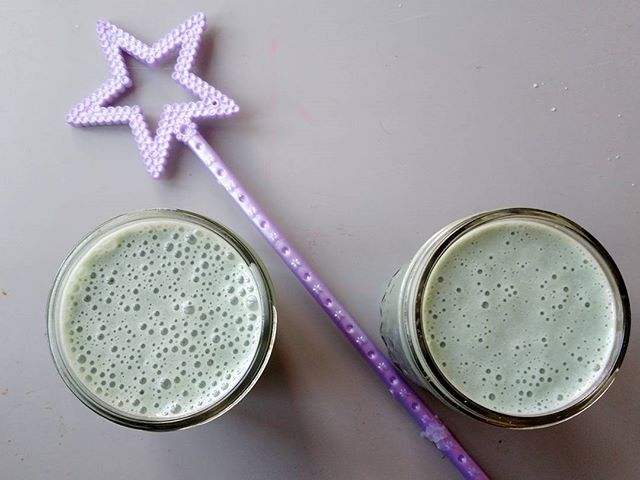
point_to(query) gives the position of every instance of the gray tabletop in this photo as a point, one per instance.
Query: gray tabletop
(364, 127)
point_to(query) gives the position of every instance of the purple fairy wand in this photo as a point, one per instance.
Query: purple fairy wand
(177, 120)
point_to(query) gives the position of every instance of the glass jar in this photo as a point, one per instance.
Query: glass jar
(483, 317)
(161, 319)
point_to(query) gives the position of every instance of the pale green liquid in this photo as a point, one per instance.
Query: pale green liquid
(161, 319)
(519, 317)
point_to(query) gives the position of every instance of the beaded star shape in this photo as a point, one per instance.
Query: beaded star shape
(176, 120)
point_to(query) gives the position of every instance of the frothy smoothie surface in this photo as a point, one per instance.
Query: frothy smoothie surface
(161, 318)
(519, 317)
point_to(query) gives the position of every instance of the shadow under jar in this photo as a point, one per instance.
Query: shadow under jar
(161, 320)
(517, 317)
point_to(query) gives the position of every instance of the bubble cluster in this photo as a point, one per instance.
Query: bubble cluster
(161, 319)
(519, 317)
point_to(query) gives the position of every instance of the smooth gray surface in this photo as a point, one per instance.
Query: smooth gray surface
(364, 127)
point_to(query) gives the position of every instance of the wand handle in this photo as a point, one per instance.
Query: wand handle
(432, 428)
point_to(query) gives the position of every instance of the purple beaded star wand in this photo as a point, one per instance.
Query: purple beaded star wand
(177, 121)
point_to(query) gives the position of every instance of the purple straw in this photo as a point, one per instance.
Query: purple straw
(432, 428)
(176, 121)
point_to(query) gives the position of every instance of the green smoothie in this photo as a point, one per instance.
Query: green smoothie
(519, 317)
(160, 319)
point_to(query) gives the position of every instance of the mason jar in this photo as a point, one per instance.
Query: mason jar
(161, 319)
(517, 317)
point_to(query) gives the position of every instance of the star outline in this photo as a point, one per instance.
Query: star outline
(176, 118)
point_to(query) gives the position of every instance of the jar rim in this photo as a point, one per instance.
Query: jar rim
(425, 261)
(221, 405)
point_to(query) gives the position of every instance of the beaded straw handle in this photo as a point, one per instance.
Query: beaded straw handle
(177, 121)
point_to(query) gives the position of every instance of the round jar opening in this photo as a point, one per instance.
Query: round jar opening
(521, 318)
(161, 319)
